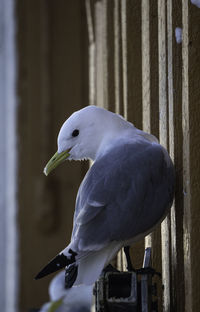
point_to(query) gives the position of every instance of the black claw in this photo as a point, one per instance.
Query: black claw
(59, 262)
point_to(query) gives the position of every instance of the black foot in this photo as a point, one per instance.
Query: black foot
(128, 259)
(148, 270)
(70, 275)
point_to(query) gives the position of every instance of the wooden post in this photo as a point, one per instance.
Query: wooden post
(165, 228)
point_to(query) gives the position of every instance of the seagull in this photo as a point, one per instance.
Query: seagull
(127, 191)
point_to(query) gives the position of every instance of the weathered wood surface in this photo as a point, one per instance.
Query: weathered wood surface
(157, 86)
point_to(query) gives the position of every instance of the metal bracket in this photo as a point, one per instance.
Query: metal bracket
(127, 291)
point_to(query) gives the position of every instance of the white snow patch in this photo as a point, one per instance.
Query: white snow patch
(178, 34)
(196, 2)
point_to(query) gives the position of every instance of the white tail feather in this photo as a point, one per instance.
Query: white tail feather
(90, 267)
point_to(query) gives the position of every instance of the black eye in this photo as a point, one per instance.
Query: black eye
(75, 133)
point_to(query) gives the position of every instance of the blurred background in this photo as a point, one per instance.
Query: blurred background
(44, 78)
(51, 39)
(138, 58)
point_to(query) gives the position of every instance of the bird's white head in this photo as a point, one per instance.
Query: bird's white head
(82, 134)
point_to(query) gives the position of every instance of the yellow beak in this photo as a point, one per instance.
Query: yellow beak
(56, 160)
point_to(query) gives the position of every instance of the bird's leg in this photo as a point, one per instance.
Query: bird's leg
(128, 259)
(141, 271)
(73, 255)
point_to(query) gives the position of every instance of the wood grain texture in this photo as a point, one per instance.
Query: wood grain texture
(156, 86)
(191, 150)
(163, 136)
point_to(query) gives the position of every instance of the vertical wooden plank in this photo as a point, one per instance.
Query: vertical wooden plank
(91, 51)
(154, 115)
(146, 71)
(122, 17)
(134, 87)
(177, 267)
(191, 152)
(170, 83)
(98, 11)
(147, 68)
(150, 105)
(128, 47)
(108, 54)
(146, 110)
(132, 81)
(162, 72)
(194, 132)
(124, 56)
(175, 149)
(154, 94)
(133, 64)
(171, 146)
(186, 163)
(165, 231)
(105, 53)
(104, 25)
(118, 58)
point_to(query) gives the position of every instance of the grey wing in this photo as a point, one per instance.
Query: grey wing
(124, 194)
